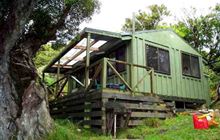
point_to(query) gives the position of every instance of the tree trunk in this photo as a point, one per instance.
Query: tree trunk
(23, 99)
(24, 112)
(8, 106)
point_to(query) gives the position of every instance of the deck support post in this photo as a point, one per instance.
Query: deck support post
(103, 127)
(58, 77)
(104, 72)
(115, 125)
(87, 61)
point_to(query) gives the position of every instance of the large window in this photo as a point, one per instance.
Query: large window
(158, 59)
(190, 65)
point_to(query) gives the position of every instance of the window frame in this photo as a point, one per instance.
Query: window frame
(158, 64)
(190, 57)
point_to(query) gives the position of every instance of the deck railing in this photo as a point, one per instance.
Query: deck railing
(104, 63)
(101, 70)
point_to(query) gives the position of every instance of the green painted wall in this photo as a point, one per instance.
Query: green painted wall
(174, 84)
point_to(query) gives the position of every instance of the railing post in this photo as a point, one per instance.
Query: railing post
(87, 61)
(151, 81)
(58, 77)
(104, 72)
(132, 77)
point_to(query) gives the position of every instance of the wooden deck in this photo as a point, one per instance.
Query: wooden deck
(95, 108)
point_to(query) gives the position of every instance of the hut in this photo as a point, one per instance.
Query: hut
(131, 75)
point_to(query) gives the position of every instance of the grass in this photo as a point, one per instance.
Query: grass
(66, 130)
(178, 128)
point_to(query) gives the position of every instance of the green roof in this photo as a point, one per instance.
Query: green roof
(167, 38)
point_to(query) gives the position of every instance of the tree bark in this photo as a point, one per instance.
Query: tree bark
(24, 112)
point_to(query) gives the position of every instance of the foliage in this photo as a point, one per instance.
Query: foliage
(180, 127)
(147, 21)
(45, 55)
(214, 80)
(60, 16)
(202, 32)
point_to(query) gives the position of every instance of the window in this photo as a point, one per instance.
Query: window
(158, 59)
(118, 54)
(190, 65)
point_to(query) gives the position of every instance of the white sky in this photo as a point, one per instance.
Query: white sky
(113, 12)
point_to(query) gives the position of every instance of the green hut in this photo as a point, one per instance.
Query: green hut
(156, 61)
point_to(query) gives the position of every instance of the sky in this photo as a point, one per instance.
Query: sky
(112, 14)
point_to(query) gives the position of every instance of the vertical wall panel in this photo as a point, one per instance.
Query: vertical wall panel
(174, 84)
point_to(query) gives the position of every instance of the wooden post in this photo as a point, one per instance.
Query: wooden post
(58, 77)
(132, 70)
(151, 81)
(104, 101)
(115, 125)
(104, 73)
(133, 23)
(132, 78)
(87, 61)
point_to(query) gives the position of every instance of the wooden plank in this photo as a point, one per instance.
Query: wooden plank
(183, 99)
(84, 48)
(79, 115)
(78, 107)
(132, 98)
(144, 107)
(126, 63)
(92, 122)
(86, 114)
(69, 102)
(63, 66)
(89, 96)
(78, 81)
(79, 101)
(148, 115)
(66, 99)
